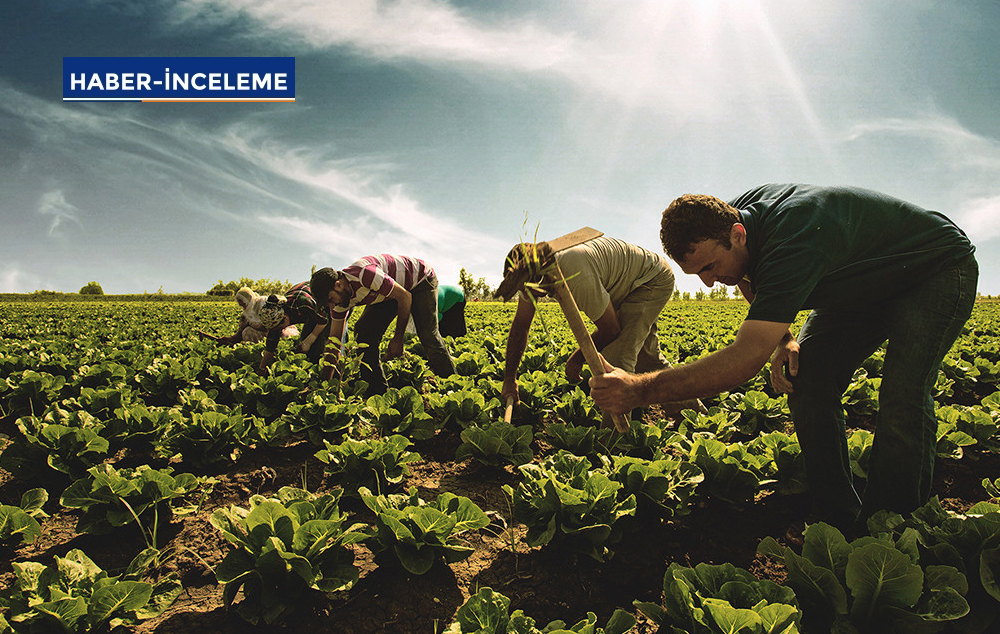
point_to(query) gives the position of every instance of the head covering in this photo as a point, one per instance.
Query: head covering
(247, 295)
(251, 307)
(273, 312)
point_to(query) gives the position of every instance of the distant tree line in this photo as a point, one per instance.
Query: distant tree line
(474, 290)
(716, 292)
(265, 286)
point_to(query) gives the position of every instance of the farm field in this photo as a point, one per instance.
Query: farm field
(216, 500)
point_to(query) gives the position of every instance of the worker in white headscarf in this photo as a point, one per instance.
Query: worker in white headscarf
(251, 328)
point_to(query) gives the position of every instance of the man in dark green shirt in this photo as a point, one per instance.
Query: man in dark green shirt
(872, 268)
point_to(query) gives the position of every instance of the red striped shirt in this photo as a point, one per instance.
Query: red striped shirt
(373, 277)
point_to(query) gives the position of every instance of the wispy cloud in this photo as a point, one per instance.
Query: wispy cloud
(980, 217)
(240, 173)
(416, 29)
(968, 164)
(53, 203)
(13, 279)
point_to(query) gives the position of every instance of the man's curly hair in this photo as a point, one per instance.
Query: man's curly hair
(693, 218)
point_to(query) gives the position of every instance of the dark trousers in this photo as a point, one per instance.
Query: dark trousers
(920, 324)
(452, 322)
(374, 321)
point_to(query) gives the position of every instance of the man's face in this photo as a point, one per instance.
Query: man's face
(713, 262)
(341, 294)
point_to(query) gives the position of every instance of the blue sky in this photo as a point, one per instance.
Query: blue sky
(450, 130)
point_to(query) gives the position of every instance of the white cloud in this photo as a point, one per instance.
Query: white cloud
(15, 280)
(980, 217)
(426, 30)
(391, 216)
(53, 203)
(962, 165)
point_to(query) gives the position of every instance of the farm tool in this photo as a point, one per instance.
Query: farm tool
(533, 261)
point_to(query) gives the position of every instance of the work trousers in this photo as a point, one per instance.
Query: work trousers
(920, 325)
(375, 319)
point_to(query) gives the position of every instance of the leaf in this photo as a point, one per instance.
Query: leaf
(879, 576)
(66, 611)
(486, 611)
(989, 571)
(825, 546)
(731, 620)
(122, 596)
(270, 518)
(236, 564)
(16, 524)
(33, 500)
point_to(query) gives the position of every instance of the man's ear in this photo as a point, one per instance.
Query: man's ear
(738, 234)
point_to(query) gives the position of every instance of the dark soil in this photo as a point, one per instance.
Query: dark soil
(547, 584)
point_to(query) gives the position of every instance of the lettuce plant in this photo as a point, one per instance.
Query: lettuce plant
(579, 440)
(782, 460)
(667, 484)
(718, 422)
(495, 444)
(873, 584)
(31, 392)
(76, 596)
(731, 472)
(463, 408)
(969, 542)
(282, 548)
(577, 408)
(722, 599)
(400, 411)
(110, 498)
(208, 438)
(67, 441)
(420, 533)
(370, 463)
(757, 411)
(322, 417)
(19, 524)
(563, 497)
(268, 397)
(488, 612)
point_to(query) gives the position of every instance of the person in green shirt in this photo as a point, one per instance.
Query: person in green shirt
(451, 311)
(872, 268)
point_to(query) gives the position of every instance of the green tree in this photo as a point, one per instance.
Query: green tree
(92, 288)
(719, 291)
(472, 288)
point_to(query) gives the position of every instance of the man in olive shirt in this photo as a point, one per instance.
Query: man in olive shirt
(872, 268)
(622, 288)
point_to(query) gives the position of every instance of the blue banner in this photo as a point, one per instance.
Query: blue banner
(178, 79)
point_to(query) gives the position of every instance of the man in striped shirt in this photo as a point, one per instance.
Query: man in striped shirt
(388, 286)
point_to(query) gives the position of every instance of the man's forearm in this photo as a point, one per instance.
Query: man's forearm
(516, 344)
(708, 376)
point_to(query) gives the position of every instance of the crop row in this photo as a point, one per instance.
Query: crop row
(88, 389)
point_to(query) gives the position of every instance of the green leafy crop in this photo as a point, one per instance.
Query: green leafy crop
(110, 498)
(75, 595)
(720, 599)
(564, 498)
(283, 547)
(369, 463)
(873, 584)
(20, 523)
(420, 533)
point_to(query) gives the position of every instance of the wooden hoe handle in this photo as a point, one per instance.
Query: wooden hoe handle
(590, 354)
(509, 412)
